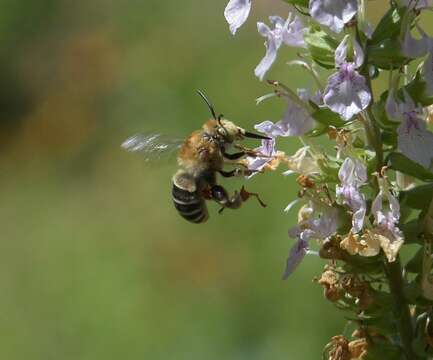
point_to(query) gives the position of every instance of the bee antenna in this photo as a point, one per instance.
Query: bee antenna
(208, 103)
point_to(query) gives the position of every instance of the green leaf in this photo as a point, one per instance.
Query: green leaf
(327, 117)
(389, 138)
(411, 231)
(417, 91)
(380, 115)
(303, 3)
(389, 26)
(419, 344)
(329, 169)
(363, 265)
(414, 265)
(384, 48)
(403, 164)
(321, 45)
(417, 198)
(384, 350)
(384, 323)
(386, 54)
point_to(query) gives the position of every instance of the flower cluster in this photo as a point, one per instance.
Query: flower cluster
(362, 199)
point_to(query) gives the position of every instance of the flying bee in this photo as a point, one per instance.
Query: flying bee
(201, 156)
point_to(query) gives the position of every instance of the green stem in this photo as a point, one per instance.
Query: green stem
(401, 308)
(393, 270)
(374, 138)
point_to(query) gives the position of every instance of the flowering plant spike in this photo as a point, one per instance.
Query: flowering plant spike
(368, 195)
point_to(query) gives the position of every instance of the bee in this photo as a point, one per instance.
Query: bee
(201, 156)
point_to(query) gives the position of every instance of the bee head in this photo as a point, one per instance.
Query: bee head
(222, 130)
(227, 132)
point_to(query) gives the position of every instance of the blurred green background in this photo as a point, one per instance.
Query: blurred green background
(95, 263)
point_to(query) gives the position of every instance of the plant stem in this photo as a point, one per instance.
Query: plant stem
(393, 270)
(401, 308)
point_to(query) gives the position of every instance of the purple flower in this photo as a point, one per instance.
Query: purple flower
(315, 222)
(267, 149)
(386, 217)
(305, 96)
(386, 212)
(296, 255)
(347, 92)
(236, 13)
(413, 140)
(428, 73)
(413, 48)
(301, 163)
(296, 121)
(353, 174)
(290, 32)
(333, 13)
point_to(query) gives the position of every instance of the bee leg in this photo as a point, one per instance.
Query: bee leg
(219, 194)
(234, 156)
(238, 155)
(237, 172)
(245, 195)
(247, 151)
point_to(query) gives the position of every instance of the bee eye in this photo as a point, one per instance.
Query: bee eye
(222, 131)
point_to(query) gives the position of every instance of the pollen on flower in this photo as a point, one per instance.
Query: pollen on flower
(340, 348)
(365, 245)
(331, 287)
(351, 244)
(301, 162)
(389, 244)
(305, 182)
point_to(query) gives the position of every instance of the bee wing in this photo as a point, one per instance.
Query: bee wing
(152, 146)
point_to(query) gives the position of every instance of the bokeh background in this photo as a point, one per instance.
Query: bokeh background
(94, 261)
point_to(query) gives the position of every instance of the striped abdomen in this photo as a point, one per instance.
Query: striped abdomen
(189, 205)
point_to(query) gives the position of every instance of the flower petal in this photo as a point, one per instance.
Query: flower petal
(301, 163)
(413, 48)
(236, 13)
(341, 51)
(296, 254)
(269, 128)
(333, 13)
(269, 58)
(347, 92)
(258, 163)
(353, 172)
(358, 54)
(415, 141)
(264, 29)
(391, 106)
(288, 32)
(428, 74)
(294, 30)
(296, 120)
(358, 218)
(390, 246)
(291, 205)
